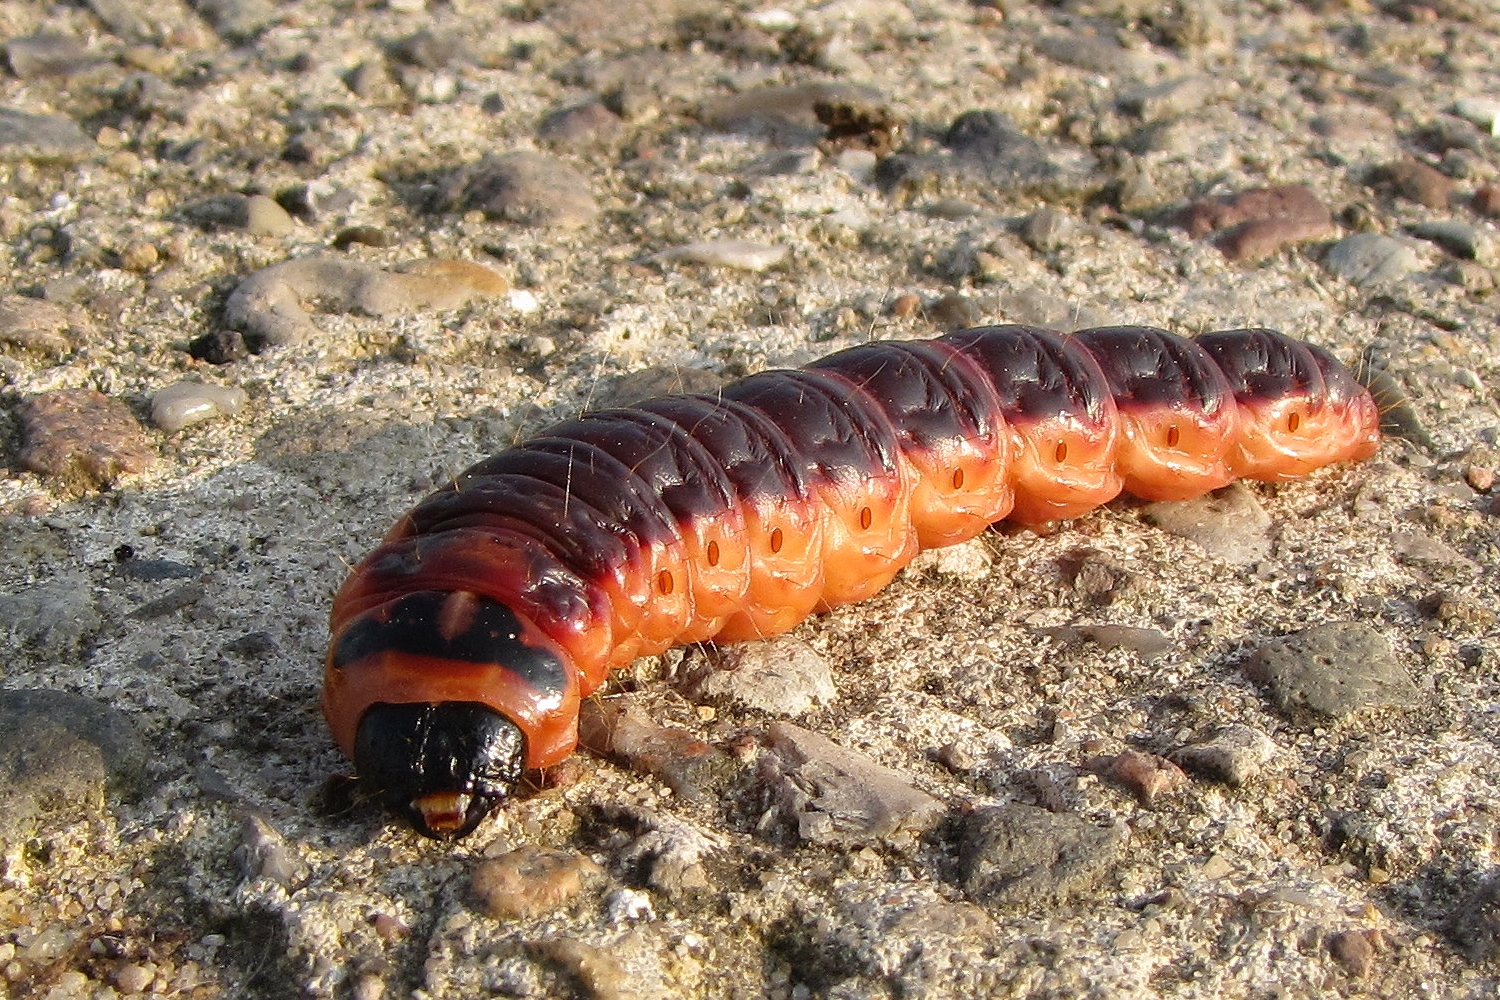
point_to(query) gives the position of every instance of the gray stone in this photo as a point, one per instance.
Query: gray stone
(54, 616)
(1417, 548)
(64, 757)
(781, 676)
(48, 54)
(1047, 229)
(1332, 671)
(433, 50)
(526, 187)
(1233, 755)
(35, 325)
(44, 138)
(838, 796)
(1229, 524)
(257, 214)
(1458, 238)
(1020, 856)
(264, 217)
(579, 125)
(185, 403)
(264, 854)
(1147, 643)
(1367, 259)
(142, 20)
(239, 20)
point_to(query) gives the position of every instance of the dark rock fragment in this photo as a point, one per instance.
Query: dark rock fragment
(1331, 671)
(1019, 856)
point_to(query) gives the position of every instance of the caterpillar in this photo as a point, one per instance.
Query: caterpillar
(462, 645)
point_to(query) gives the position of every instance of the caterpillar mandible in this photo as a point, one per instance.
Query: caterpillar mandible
(462, 646)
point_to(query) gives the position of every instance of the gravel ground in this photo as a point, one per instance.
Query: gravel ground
(269, 272)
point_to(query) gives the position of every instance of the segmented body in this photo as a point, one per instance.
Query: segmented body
(728, 517)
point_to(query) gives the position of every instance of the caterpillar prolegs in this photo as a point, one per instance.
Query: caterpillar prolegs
(463, 644)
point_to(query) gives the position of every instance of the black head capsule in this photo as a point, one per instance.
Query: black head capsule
(443, 767)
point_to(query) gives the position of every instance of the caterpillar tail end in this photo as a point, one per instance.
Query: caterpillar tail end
(443, 767)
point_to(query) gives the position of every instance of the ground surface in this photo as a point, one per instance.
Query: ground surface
(179, 842)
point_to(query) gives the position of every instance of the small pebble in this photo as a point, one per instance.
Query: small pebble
(955, 311)
(41, 138)
(1369, 259)
(1257, 239)
(81, 437)
(1419, 182)
(240, 20)
(1047, 229)
(63, 754)
(524, 187)
(1233, 755)
(219, 347)
(1354, 950)
(1458, 238)
(906, 305)
(264, 217)
(1147, 776)
(1291, 201)
(264, 853)
(620, 729)
(430, 49)
(780, 676)
(530, 881)
(1147, 643)
(746, 255)
(47, 54)
(35, 325)
(836, 796)
(597, 970)
(131, 977)
(368, 986)
(1021, 857)
(1168, 99)
(628, 906)
(54, 616)
(1331, 671)
(1229, 524)
(580, 125)
(1482, 111)
(370, 236)
(139, 257)
(988, 143)
(1415, 547)
(183, 404)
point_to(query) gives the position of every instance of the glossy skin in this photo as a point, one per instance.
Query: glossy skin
(513, 593)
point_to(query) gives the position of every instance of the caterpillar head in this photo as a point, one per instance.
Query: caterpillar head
(443, 699)
(443, 767)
